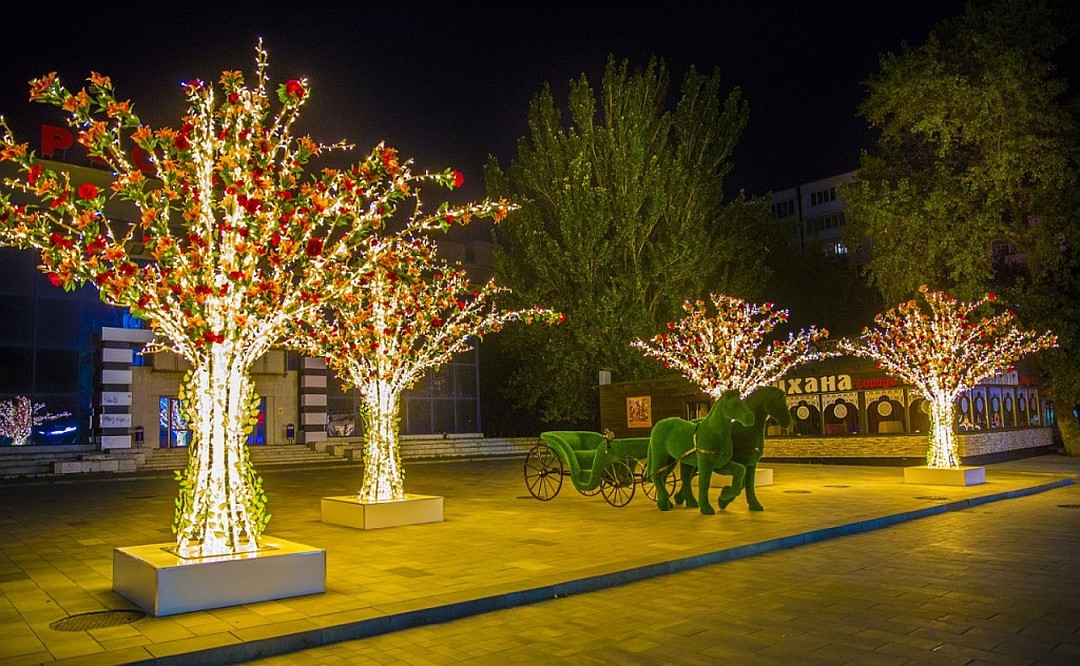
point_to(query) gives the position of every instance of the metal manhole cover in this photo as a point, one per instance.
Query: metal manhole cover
(797, 492)
(932, 498)
(97, 620)
(836, 485)
(1069, 506)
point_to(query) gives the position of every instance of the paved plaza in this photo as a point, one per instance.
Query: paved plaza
(846, 564)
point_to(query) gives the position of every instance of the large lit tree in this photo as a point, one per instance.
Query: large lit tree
(725, 350)
(943, 353)
(236, 232)
(408, 314)
(623, 215)
(978, 150)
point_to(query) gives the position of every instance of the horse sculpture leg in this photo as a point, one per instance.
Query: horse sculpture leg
(751, 495)
(659, 481)
(738, 480)
(686, 486)
(706, 463)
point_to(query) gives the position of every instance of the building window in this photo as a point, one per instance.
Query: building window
(173, 431)
(445, 400)
(822, 196)
(783, 209)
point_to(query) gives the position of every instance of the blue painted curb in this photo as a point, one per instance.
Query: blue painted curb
(390, 623)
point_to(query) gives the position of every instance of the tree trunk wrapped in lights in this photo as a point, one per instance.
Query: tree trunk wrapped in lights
(944, 353)
(408, 315)
(725, 352)
(236, 234)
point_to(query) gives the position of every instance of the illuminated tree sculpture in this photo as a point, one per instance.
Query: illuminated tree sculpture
(724, 351)
(19, 416)
(944, 353)
(236, 233)
(409, 314)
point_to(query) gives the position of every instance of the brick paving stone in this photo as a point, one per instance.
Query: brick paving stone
(813, 599)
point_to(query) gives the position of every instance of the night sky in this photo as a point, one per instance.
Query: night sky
(449, 83)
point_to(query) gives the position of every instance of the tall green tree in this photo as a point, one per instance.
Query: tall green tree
(977, 147)
(623, 217)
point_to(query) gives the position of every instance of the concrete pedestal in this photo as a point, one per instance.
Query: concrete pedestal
(960, 476)
(349, 511)
(163, 583)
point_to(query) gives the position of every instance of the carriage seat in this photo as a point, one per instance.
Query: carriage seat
(583, 444)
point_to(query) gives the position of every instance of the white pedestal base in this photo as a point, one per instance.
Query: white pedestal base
(763, 477)
(162, 583)
(349, 511)
(961, 476)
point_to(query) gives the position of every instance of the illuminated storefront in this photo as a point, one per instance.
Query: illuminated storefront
(848, 409)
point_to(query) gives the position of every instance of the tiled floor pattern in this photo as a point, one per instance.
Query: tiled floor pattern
(995, 584)
(56, 542)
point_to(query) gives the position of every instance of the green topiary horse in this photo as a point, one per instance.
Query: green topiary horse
(703, 446)
(748, 442)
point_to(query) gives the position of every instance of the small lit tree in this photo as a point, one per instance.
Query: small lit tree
(236, 234)
(725, 351)
(19, 416)
(943, 353)
(408, 314)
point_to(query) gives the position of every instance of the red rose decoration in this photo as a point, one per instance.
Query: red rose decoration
(459, 179)
(87, 191)
(32, 175)
(294, 89)
(314, 247)
(55, 280)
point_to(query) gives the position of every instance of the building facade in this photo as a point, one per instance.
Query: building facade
(848, 409)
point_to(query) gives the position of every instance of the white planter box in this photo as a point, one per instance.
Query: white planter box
(163, 583)
(961, 476)
(349, 511)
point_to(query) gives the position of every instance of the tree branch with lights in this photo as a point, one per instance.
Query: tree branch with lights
(19, 416)
(237, 232)
(724, 350)
(944, 352)
(408, 314)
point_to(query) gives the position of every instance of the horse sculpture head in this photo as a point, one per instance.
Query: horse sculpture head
(771, 401)
(731, 407)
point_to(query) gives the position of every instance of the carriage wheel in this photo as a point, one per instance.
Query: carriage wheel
(647, 486)
(543, 472)
(617, 483)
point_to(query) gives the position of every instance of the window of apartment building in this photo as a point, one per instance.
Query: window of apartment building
(783, 209)
(830, 221)
(822, 196)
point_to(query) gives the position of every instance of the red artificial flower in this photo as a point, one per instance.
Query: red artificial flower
(55, 279)
(211, 337)
(459, 179)
(294, 89)
(32, 175)
(436, 322)
(314, 247)
(87, 191)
